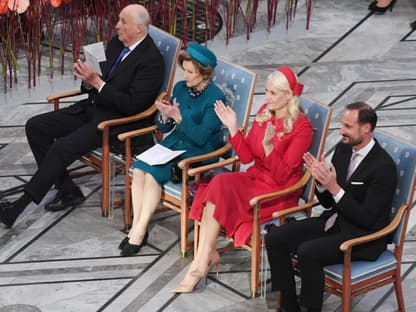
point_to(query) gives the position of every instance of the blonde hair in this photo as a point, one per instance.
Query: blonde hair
(280, 82)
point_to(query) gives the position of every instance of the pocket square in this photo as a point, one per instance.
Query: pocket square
(357, 183)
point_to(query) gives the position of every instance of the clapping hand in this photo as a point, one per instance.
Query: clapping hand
(169, 111)
(227, 116)
(325, 174)
(269, 134)
(83, 71)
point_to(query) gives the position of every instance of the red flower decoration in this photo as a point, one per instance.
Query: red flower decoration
(56, 3)
(3, 7)
(18, 5)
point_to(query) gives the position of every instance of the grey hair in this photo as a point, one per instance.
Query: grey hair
(143, 17)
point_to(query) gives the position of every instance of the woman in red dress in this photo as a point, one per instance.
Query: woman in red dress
(278, 138)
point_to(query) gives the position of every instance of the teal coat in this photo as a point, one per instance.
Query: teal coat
(198, 133)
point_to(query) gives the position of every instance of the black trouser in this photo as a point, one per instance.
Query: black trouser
(57, 139)
(315, 249)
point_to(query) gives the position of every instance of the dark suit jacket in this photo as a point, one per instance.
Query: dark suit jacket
(132, 87)
(367, 202)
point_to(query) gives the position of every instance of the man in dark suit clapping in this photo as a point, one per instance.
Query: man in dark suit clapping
(358, 187)
(132, 77)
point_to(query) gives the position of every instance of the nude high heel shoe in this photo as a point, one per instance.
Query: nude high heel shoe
(198, 275)
(214, 261)
(182, 289)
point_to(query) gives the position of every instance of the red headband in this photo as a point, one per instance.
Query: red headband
(295, 86)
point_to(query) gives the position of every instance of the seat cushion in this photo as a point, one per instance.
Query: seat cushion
(361, 270)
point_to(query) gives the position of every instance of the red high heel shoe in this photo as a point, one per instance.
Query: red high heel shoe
(373, 7)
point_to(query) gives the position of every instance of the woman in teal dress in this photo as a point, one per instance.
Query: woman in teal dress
(191, 124)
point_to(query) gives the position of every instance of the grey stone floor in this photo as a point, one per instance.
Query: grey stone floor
(69, 261)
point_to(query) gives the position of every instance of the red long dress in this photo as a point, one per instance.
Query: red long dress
(231, 192)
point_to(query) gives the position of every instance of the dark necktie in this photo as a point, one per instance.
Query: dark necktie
(118, 61)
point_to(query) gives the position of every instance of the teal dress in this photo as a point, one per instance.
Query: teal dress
(198, 133)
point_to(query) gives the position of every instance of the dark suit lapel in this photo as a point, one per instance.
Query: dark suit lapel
(111, 55)
(366, 161)
(342, 166)
(131, 58)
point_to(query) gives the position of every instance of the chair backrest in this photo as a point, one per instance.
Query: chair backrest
(238, 85)
(404, 155)
(169, 47)
(319, 115)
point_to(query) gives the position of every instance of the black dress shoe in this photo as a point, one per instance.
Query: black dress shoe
(131, 249)
(123, 242)
(6, 217)
(63, 201)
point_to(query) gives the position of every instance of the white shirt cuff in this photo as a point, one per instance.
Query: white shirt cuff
(338, 196)
(101, 87)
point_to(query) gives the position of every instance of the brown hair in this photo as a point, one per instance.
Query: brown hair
(366, 113)
(205, 71)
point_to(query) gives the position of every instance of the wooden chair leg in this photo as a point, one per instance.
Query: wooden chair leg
(346, 299)
(127, 205)
(255, 267)
(184, 231)
(105, 174)
(399, 294)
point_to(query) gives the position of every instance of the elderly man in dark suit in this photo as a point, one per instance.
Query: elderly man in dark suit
(132, 77)
(358, 187)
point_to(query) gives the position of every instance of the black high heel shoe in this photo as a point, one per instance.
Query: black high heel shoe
(413, 25)
(373, 7)
(123, 242)
(131, 249)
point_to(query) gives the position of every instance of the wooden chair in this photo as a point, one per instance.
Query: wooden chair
(100, 158)
(319, 115)
(354, 278)
(238, 84)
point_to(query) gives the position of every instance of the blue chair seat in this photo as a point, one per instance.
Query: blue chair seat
(363, 270)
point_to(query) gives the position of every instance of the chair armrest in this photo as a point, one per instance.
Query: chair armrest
(56, 97)
(217, 153)
(282, 213)
(347, 245)
(120, 121)
(131, 134)
(213, 166)
(62, 95)
(301, 183)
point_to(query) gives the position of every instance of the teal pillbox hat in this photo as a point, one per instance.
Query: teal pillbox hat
(201, 54)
